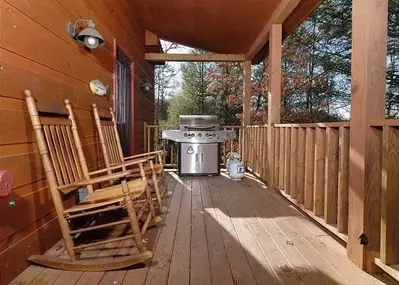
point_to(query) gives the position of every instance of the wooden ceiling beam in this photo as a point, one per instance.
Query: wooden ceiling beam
(283, 10)
(211, 57)
(152, 43)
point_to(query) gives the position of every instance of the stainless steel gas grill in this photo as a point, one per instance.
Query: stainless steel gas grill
(199, 139)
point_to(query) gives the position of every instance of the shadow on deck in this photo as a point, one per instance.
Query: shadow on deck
(221, 232)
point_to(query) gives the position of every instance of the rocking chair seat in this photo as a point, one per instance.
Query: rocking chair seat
(136, 187)
(108, 196)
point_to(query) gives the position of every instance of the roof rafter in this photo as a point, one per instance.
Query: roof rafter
(283, 10)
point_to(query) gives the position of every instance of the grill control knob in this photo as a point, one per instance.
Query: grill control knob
(185, 135)
(199, 135)
(192, 135)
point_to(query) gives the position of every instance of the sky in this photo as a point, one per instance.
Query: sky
(176, 65)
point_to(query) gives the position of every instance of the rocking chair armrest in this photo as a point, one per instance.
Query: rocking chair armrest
(118, 166)
(96, 180)
(144, 154)
(134, 161)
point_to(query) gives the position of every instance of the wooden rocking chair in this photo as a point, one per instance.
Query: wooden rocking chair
(113, 155)
(66, 171)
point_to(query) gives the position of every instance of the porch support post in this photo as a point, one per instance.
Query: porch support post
(247, 94)
(246, 108)
(369, 53)
(274, 97)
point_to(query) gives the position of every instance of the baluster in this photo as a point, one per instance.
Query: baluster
(164, 151)
(287, 163)
(343, 180)
(172, 155)
(148, 139)
(156, 136)
(265, 156)
(276, 156)
(319, 172)
(262, 154)
(145, 137)
(257, 149)
(281, 158)
(331, 181)
(301, 164)
(224, 161)
(390, 196)
(309, 168)
(294, 164)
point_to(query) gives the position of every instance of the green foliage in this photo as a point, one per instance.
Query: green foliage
(164, 78)
(209, 88)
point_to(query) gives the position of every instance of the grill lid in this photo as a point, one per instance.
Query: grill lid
(198, 122)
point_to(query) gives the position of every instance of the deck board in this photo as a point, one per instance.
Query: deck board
(159, 270)
(27, 275)
(180, 265)
(280, 266)
(240, 268)
(260, 266)
(200, 273)
(319, 268)
(218, 231)
(218, 261)
(270, 221)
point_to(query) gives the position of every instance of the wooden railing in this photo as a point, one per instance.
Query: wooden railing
(312, 162)
(153, 141)
(232, 145)
(310, 167)
(254, 150)
(386, 162)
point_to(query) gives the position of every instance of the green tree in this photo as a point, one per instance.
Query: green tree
(225, 89)
(194, 97)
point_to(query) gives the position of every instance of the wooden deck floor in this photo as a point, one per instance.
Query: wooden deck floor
(224, 233)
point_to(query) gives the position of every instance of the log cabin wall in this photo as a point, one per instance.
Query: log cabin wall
(37, 53)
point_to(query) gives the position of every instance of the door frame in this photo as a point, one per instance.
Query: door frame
(117, 46)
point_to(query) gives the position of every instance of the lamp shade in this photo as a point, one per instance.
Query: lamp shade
(90, 38)
(147, 86)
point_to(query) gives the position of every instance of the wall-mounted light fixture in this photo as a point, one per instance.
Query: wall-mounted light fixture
(89, 36)
(146, 86)
(98, 88)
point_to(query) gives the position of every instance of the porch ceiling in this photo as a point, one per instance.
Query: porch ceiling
(220, 26)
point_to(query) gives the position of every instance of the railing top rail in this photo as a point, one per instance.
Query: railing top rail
(314, 125)
(383, 123)
(232, 126)
(176, 127)
(379, 123)
(256, 126)
(160, 126)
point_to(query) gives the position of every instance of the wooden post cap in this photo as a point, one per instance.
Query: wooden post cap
(28, 93)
